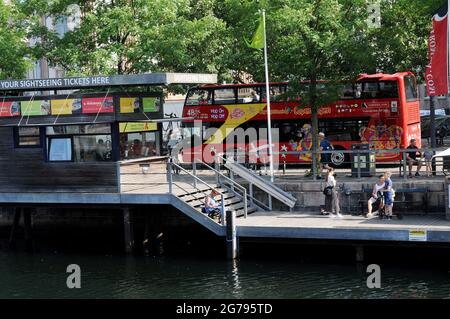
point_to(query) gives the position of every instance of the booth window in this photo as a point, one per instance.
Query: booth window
(79, 143)
(139, 145)
(28, 136)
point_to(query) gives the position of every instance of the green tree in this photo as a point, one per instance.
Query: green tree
(131, 36)
(315, 40)
(402, 41)
(15, 56)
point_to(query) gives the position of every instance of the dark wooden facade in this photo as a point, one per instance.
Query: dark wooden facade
(25, 170)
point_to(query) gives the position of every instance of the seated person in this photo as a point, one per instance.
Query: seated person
(255, 96)
(212, 207)
(411, 157)
(378, 187)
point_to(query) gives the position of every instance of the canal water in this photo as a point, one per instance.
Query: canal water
(43, 275)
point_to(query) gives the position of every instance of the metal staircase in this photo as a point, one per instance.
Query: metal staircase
(190, 190)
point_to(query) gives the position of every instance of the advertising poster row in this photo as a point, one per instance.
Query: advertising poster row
(74, 106)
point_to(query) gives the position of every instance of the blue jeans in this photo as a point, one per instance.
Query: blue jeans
(388, 200)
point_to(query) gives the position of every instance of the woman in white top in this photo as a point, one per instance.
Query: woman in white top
(376, 188)
(332, 197)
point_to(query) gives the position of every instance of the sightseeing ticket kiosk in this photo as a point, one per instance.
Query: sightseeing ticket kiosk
(69, 133)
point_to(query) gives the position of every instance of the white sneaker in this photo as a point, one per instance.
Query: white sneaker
(332, 215)
(339, 215)
(369, 215)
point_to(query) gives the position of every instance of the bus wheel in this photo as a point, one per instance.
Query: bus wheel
(338, 159)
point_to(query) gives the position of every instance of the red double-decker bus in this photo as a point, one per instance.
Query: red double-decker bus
(381, 110)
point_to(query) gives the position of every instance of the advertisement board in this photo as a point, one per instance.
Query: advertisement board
(66, 106)
(130, 105)
(9, 109)
(130, 127)
(97, 105)
(35, 108)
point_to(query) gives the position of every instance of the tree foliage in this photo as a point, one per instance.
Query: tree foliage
(15, 55)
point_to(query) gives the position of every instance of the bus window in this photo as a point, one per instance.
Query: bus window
(348, 91)
(199, 97)
(224, 96)
(382, 89)
(342, 129)
(248, 95)
(276, 92)
(411, 88)
(388, 89)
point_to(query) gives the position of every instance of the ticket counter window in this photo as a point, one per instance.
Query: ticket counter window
(139, 145)
(79, 143)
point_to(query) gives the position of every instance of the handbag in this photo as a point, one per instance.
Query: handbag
(328, 191)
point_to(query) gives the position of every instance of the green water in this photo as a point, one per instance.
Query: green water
(44, 276)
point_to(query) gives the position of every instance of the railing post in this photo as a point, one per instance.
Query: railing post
(222, 209)
(314, 164)
(232, 178)
(245, 204)
(119, 184)
(170, 174)
(194, 172)
(217, 167)
(405, 177)
(358, 155)
(250, 189)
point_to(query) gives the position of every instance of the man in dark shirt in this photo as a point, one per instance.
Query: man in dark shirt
(411, 157)
(325, 159)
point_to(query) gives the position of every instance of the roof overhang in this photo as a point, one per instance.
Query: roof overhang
(71, 83)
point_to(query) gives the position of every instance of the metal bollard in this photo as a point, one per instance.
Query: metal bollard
(232, 247)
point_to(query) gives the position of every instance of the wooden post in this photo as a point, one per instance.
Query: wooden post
(128, 231)
(28, 229)
(232, 247)
(359, 253)
(15, 225)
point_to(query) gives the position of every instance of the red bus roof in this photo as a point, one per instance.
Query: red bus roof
(361, 77)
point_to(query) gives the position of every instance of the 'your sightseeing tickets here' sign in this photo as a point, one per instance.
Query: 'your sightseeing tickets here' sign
(114, 80)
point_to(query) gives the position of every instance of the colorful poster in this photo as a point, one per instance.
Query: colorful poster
(66, 106)
(129, 127)
(35, 108)
(98, 105)
(130, 105)
(9, 108)
(150, 104)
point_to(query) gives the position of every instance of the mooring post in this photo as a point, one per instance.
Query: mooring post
(128, 231)
(28, 229)
(359, 253)
(15, 225)
(232, 248)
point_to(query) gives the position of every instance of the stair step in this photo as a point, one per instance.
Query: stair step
(230, 201)
(250, 210)
(201, 197)
(200, 192)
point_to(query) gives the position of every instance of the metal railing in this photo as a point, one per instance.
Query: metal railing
(233, 184)
(170, 173)
(220, 159)
(401, 161)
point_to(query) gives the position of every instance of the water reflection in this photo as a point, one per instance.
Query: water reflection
(44, 276)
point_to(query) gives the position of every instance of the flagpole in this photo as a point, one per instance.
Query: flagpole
(269, 122)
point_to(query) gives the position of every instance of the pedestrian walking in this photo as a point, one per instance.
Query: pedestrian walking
(331, 195)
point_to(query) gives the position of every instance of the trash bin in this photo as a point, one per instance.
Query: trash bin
(365, 162)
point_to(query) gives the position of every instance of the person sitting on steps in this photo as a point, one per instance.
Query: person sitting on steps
(212, 207)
